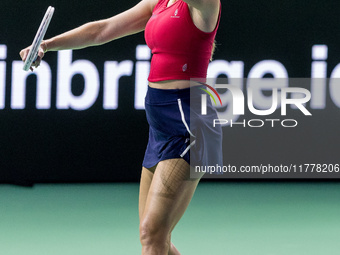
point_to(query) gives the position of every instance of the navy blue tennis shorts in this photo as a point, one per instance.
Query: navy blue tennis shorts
(179, 130)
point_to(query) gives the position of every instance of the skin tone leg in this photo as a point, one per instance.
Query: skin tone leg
(168, 195)
(145, 183)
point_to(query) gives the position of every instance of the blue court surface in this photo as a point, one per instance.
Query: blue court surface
(223, 218)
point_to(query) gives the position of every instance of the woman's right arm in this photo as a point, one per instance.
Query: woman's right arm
(98, 32)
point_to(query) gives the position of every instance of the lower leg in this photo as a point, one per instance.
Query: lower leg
(145, 182)
(157, 245)
(155, 249)
(153, 240)
(168, 197)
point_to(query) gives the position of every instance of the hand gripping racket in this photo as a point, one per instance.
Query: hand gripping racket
(33, 53)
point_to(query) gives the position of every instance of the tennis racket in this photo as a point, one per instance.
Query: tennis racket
(33, 53)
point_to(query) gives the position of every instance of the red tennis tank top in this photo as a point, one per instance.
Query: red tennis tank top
(180, 50)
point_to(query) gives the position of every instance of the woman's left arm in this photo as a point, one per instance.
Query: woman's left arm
(204, 5)
(204, 13)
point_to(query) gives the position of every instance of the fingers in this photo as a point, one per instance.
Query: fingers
(23, 53)
(36, 63)
(41, 53)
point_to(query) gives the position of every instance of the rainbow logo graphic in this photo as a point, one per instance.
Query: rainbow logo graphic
(211, 95)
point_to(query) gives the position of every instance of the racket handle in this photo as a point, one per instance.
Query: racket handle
(35, 56)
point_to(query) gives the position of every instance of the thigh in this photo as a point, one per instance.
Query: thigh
(145, 182)
(169, 194)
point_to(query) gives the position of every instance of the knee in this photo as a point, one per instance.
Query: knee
(153, 233)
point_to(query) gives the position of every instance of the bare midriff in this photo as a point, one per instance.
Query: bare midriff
(171, 84)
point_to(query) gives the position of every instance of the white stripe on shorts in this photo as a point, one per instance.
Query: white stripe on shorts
(186, 126)
(187, 149)
(183, 118)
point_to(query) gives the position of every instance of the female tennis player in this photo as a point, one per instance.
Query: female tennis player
(181, 35)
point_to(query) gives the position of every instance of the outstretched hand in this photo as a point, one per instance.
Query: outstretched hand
(24, 53)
